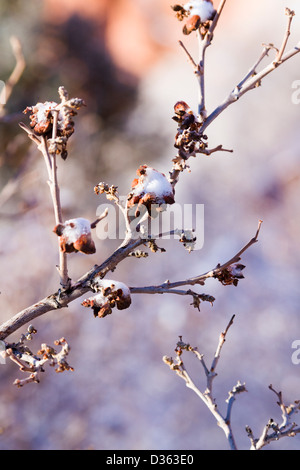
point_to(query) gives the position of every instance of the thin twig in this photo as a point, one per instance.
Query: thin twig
(204, 43)
(15, 75)
(216, 18)
(201, 278)
(206, 396)
(286, 429)
(290, 14)
(101, 217)
(252, 72)
(63, 297)
(190, 58)
(55, 193)
(250, 84)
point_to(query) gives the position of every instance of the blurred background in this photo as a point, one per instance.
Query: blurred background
(122, 57)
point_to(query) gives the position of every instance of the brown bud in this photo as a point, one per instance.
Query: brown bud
(193, 23)
(181, 107)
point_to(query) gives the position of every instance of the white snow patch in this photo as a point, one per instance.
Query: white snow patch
(115, 285)
(74, 228)
(153, 182)
(202, 8)
(42, 109)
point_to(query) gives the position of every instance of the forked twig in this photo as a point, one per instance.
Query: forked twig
(224, 421)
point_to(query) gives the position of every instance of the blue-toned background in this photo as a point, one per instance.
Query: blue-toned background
(123, 58)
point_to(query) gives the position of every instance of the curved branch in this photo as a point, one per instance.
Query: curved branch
(168, 286)
(63, 297)
(253, 82)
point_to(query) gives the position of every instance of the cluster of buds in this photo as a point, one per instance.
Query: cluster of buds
(151, 189)
(188, 140)
(109, 294)
(75, 235)
(187, 238)
(231, 275)
(33, 363)
(198, 14)
(42, 119)
(110, 191)
(56, 359)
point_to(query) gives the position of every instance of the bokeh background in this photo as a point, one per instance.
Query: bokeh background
(123, 58)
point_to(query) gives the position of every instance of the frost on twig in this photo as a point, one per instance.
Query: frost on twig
(33, 364)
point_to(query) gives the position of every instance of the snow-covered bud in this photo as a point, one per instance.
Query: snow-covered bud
(75, 235)
(204, 9)
(150, 188)
(198, 12)
(231, 275)
(110, 294)
(41, 117)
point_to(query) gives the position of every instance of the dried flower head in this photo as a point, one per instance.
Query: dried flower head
(189, 140)
(42, 118)
(231, 275)
(110, 294)
(199, 12)
(75, 235)
(151, 189)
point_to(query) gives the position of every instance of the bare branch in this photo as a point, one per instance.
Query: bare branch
(15, 75)
(206, 396)
(101, 217)
(252, 82)
(252, 72)
(190, 58)
(273, 431)
(20, 354)
(63, 297)
(216, 18)
(290, 14)
(166, 286)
